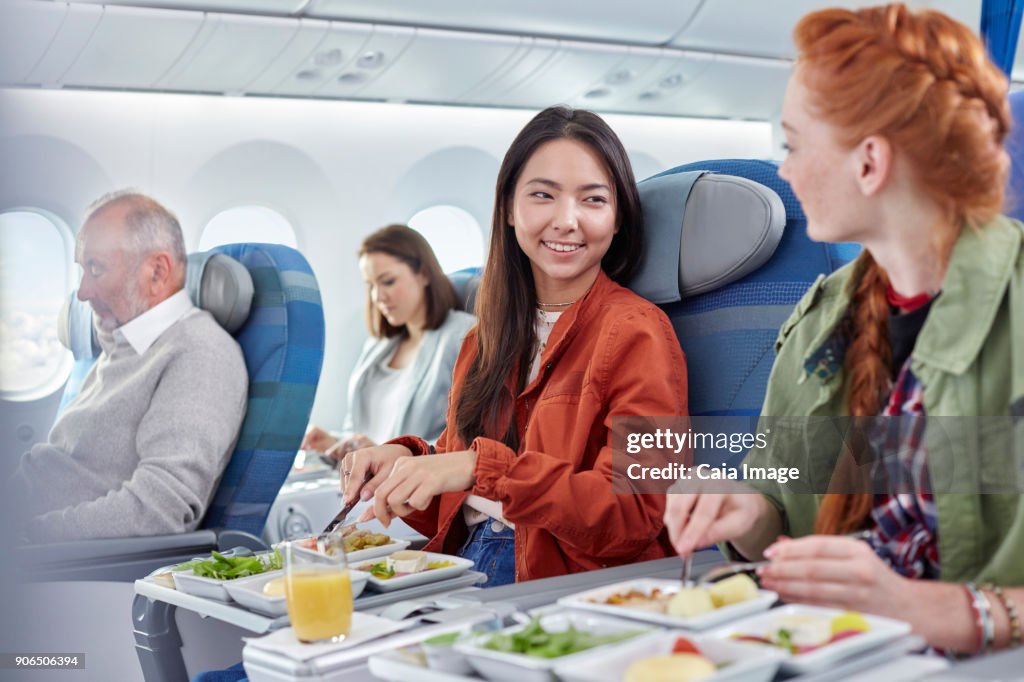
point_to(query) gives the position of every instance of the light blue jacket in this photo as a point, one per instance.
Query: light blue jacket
(422, 411)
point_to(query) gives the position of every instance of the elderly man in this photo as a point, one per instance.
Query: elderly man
(141, 448)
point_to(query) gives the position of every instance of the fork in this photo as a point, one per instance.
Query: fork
(718, 572)
(687, 570)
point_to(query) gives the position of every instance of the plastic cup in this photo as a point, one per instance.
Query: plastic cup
(318, 590)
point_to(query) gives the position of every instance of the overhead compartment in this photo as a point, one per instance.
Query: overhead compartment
(733, 87)
(553, 72)
(642, 69)
(315, 58)
(765, 29)
(60, 53)
(372, 61)
(663, 89)
(26, 31)
(440, 66)
(746, 27)
(230, 52)
(243, 6)
(131, 47)
(532, 55)
(309, 34)
(650, 22)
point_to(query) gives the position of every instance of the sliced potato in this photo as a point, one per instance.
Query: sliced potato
(733, 590)
(689, 602)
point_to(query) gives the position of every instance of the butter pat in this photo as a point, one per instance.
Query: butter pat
(803, 630)
(408, 561)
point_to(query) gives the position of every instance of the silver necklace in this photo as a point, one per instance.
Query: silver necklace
(555, 305)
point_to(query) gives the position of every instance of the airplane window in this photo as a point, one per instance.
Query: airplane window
(247, 224)
(454, 235)
(35, 278)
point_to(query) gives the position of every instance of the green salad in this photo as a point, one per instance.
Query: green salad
(222, 567)
(534, 640)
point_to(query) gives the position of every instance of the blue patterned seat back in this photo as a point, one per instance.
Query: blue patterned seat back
(283, 344)
(728, 335)
(1015, 146)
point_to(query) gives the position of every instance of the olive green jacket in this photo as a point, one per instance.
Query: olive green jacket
(969, 356)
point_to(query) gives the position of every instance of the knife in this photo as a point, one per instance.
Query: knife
(345, 511)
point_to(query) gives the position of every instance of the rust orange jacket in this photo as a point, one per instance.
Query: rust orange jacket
(612, 354)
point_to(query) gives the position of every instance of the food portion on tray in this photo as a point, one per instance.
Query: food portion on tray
(668, 602)
(801, 633)
(687, 602)
(208, 576)
(222, 567)
(681, 659)
(402, 563)
(813, 637)
(408, 568)
(531, 651)
(534, 640)
(360, 545)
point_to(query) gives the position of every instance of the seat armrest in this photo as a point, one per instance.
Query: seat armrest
(113, 559)
(229, 539)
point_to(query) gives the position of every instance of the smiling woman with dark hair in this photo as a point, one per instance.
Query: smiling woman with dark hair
(561, 349)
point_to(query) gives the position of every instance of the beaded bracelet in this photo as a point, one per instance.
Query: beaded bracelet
(1011, 613)
(983, 612)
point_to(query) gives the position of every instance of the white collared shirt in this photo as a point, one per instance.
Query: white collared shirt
(145, 329)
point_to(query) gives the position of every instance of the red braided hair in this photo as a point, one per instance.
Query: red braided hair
(925, 82)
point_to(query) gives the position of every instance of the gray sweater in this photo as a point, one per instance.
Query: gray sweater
(140, 450)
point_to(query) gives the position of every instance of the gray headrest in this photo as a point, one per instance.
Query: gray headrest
(704, 230)
(215, 282)
(466, 283)
(222, 286)
(75, 330)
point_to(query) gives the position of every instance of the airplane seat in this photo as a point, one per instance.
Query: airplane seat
(727, 258)
(466, 282)
(1015, 146)
(268, 297)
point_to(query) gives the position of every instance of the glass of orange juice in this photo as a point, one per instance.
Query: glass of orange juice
(318, 590)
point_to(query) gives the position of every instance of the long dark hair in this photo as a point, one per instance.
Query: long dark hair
(410, 247)
(507, 300)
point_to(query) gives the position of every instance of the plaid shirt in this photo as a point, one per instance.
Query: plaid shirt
(905, 525)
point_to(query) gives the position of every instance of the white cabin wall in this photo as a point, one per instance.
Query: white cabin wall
(336, 169)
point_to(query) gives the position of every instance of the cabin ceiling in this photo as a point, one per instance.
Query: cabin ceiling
(704, 58)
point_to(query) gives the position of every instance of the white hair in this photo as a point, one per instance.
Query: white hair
(151, 226)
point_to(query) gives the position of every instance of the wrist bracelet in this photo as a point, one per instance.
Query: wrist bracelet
(983, 611)
(1011, 612)
(979, 637)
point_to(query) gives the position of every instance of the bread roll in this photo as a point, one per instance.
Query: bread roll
(674, 668)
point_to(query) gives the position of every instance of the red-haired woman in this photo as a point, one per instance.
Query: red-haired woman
(895, 123)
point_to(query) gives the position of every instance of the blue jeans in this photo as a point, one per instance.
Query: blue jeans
(492, 547)
(235, 673)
